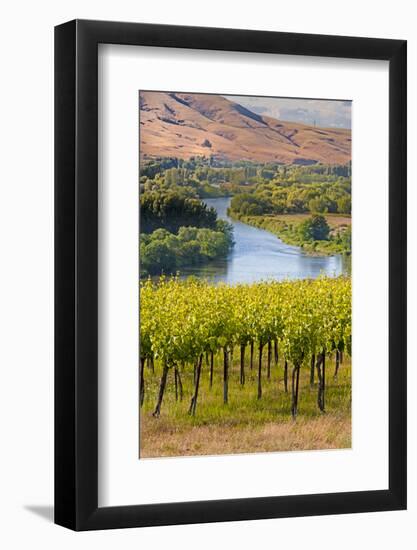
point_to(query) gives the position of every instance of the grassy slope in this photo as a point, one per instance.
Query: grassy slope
(285, 226)
(246, 424)
(181, 124)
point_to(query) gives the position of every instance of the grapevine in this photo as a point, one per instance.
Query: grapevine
(181, 322)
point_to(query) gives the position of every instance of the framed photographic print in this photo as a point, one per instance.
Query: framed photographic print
(230, 275)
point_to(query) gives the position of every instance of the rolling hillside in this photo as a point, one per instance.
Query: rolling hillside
(184, 125)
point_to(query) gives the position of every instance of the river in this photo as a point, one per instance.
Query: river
(260, 255)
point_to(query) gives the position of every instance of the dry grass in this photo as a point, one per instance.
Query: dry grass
(335, 221)
(180, 130)
(327, 432)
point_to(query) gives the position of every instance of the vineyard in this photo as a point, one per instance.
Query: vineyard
(290, 330)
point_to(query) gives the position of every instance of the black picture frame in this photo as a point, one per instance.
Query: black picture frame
(76, 274)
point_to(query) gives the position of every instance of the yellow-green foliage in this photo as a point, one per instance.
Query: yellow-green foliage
(180, 320)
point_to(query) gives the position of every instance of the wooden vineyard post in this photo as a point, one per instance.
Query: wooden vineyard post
(193, 404)
(142, 381)
(260, 371)
(242, 364)
(162, 385)
(225, 376)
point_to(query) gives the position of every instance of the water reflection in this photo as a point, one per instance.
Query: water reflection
(260, 255)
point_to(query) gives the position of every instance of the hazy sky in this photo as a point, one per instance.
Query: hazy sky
(322, 112)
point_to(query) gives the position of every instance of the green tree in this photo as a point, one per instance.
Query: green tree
(315, 228)
(157, 257)
(171, 210)
(344, 204)
(317, 205)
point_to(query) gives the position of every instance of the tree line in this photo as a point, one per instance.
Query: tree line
(207, 177)
(178, 231)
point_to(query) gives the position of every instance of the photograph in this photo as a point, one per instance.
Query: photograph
(245, 274)
(180, 275)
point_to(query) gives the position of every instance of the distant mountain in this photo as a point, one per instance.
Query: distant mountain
(184, 125)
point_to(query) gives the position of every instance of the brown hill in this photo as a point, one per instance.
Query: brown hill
(184, 125)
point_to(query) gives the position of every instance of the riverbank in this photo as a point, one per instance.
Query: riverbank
(286, 227)
(258, 255)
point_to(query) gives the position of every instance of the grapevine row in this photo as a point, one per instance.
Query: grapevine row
(303, 321)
